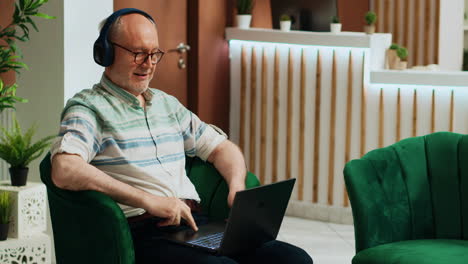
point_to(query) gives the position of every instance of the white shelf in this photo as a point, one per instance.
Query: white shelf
(343, 39)
(413, 77)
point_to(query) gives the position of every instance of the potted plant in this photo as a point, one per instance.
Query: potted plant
(18, 150)
(335, 25)
(6, 204)
(371, 18)
(244, 13)
(402, 54)
(392, 58)
(285, 22)
(9, 52)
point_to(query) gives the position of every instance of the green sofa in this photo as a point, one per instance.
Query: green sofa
(89, 227)
(410, 201)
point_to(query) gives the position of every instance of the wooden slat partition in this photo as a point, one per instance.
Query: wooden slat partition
(243, 99)
(349, 118)
(377, 10)
(302, 113)
(416, 17)
(414, 49)
(398, 116)
(318, 102)
(289, 116)
(253, 105)
(263, 126)
(427, 31)
(274, 157)
(381, 118)
(363, 113)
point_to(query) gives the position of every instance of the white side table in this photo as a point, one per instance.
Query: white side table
(29, 209)
(34, 249)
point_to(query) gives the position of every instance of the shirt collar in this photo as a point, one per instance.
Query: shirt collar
(121, 93)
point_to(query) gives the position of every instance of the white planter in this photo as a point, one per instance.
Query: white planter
(335, 28)
(243, 21)
(285, 25)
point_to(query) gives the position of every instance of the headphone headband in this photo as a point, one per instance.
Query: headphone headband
(103, 51)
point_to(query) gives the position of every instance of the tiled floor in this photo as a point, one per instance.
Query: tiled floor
(327, 243)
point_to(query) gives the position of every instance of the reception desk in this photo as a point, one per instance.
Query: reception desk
(304, 103)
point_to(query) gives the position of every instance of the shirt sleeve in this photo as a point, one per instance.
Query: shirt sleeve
(200, 139)
(79, 133)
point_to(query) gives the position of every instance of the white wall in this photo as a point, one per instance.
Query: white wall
(61, 63)
(451, 34)
(81, 30)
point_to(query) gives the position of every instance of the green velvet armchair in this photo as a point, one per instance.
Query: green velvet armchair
(410, 201)
(89, 227)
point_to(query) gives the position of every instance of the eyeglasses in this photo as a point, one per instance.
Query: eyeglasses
(141, 57)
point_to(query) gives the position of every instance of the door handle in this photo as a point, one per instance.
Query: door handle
(181, 48)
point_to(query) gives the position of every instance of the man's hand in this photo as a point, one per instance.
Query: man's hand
(233, 189)
(172, 209)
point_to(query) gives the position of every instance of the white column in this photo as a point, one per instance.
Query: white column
(451, 34)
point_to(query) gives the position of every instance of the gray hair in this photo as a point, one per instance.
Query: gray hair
(114, 27)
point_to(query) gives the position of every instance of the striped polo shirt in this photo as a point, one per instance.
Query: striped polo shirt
(144, 148)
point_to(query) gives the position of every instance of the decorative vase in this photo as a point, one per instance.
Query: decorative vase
(285, 25)
(4, 231)
(335, 28)
(402, 65)
(243, 21)
(392, 59)
(369, 29)
(18, 176)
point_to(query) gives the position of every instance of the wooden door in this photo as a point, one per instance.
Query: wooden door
(171, 20)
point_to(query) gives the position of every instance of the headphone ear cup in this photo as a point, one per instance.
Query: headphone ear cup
(103, 52)
(98, 53)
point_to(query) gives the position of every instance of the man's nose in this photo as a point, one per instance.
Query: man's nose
(147, 62)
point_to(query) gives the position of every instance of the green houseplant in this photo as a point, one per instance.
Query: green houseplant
(335, 25)
(244, 13)
(18, 150)
(6, 204)
(17, 30)
(392, 58)
(371, 18)
(285, 22)
(402, 54)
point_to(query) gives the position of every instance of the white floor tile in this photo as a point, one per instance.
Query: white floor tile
(327, 243)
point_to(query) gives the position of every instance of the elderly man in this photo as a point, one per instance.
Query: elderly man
(129, 141)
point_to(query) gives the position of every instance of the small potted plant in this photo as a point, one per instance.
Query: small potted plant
(18, 150)
(402, 54)
(335, 25)
(371, 18)
(392, 58)
(285, 22)
(5, 212)
(244, 13)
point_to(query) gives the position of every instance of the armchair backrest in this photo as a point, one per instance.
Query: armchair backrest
(414, 189)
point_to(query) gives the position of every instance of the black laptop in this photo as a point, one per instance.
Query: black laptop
(255, 218)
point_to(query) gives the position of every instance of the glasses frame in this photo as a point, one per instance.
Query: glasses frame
(135, 54)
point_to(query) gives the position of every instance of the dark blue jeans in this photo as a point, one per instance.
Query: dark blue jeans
(150, 249)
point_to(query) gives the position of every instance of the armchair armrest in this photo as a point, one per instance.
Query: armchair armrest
(88, 226)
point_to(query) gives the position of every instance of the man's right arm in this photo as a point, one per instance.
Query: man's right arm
(71, 172)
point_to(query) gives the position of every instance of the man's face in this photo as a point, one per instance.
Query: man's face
(137, 34)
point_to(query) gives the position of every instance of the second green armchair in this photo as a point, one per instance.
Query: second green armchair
(410, 201)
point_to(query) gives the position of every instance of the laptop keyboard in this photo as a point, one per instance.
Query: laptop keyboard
(212, 241)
